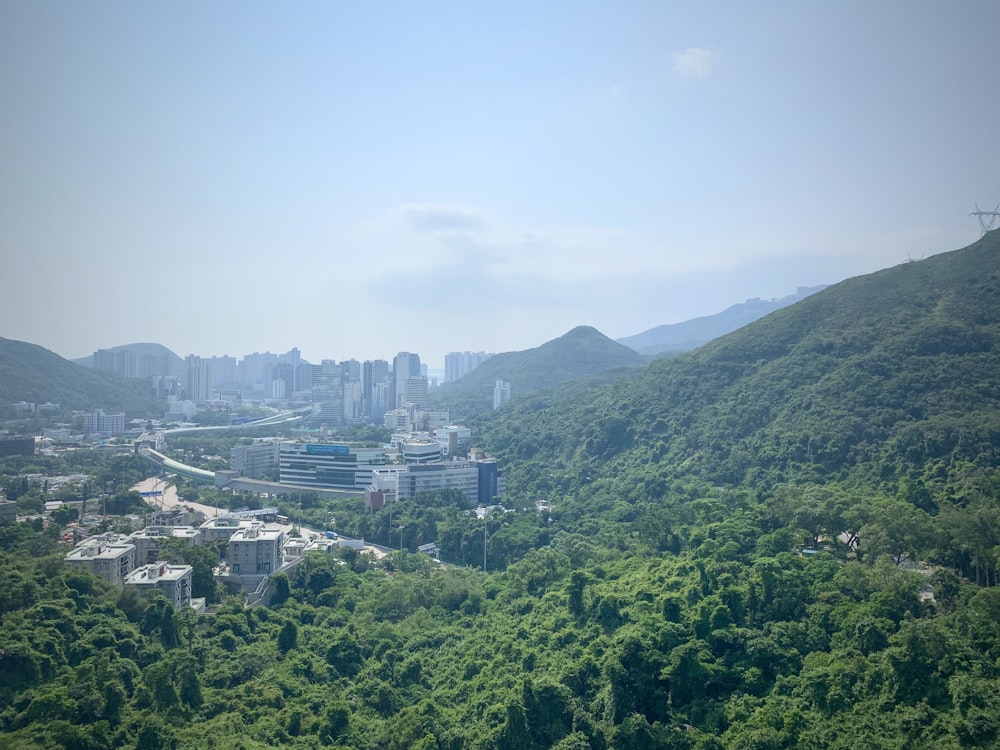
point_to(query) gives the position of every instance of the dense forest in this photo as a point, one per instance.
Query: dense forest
(787, 538)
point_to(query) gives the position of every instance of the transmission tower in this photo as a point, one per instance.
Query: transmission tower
(986, 218)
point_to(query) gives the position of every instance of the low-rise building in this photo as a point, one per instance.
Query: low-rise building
(99, 423)
(173, 580)
(254, 460)
(8, 511)
(108, 556)
(149, 541)
(256, 550)
(179, 515)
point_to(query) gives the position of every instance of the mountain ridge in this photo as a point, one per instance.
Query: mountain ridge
(581, 352)
(690, 334)
(868, 379)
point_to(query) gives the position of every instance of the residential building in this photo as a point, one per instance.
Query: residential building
(121, 361)
(99, 423)
(173, 580)
(374, 389)
(222, 528)
(179, 515)
(197, 379)
(404, 365)
(460, 364)
(255, 550)
(149, 541)
(108, 556)
(415, 392)
(501, 393)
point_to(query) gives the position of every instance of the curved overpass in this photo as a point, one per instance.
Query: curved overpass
(191, 472)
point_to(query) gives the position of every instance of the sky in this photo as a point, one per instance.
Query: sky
(358, 179)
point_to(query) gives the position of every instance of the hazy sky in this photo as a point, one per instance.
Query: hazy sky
(357, 179)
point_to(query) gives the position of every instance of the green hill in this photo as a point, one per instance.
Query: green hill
(582, 352)
(32, 373)
(869, 379)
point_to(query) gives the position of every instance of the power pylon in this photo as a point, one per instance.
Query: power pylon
(986, 218)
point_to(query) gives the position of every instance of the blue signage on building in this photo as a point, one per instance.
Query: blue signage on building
(328, 450)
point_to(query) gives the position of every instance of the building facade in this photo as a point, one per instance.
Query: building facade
(256, 550)
(173, 580)
(108, 556)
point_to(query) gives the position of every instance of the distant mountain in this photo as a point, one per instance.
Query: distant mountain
(32, 373)
(582, 352)
(176, 362)
(690, 334)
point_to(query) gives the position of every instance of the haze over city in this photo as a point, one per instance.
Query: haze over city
(357, 180)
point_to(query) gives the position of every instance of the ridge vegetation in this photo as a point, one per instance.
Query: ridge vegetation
(580, 353)
(32, 373)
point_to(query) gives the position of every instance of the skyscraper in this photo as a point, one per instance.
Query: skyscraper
(374, 376)
(404, 365)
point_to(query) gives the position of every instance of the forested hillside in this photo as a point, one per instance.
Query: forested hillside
(32, 373)
(788, 538)
(877, 379)
(577, 354)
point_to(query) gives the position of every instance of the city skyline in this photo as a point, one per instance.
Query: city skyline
(357, 181)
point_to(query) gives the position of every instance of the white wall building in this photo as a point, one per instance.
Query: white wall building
(256, 550)
(342, 465)
(254, 460)
(108, 556)
(173, 580)
(149, 541)
(501, 393)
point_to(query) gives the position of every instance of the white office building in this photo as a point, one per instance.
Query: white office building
(336, 465)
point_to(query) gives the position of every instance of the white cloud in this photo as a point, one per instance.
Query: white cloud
(441, 217)
(695, 63)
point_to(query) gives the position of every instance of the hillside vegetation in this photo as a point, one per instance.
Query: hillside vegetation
(875, 379)
(32, 373)
(789, 538)
(582, 352)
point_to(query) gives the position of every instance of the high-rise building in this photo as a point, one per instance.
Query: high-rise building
(404, 365)
(374, 373)
(197, 378)
(103, 424)
(459, 364)
(501, 393)
(328, 394)
(121, 361)
(415, 392)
